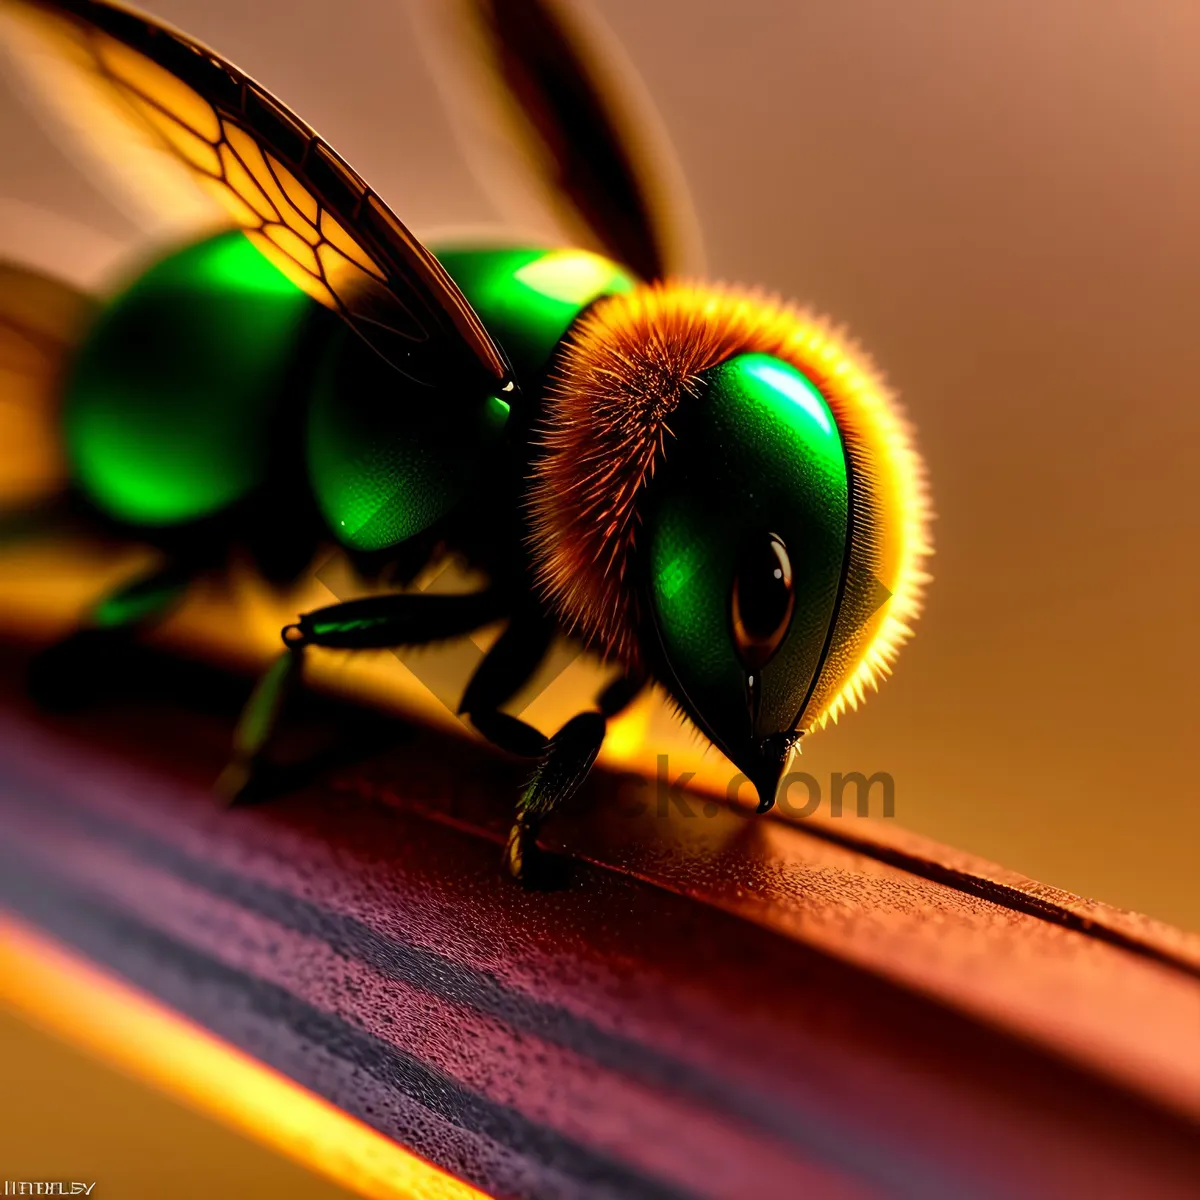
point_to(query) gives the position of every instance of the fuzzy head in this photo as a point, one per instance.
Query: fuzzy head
(727, 495)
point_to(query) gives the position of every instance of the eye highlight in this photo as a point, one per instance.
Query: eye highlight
(763, 599)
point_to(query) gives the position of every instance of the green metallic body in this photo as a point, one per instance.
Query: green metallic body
(213, 393)
(215, 405)
(197, 378)
(172, 396)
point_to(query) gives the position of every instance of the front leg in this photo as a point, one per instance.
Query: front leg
(564, 760)
(565, 764)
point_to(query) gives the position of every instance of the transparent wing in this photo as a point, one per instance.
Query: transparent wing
(40, 320)
(543, 88)
(152, 101)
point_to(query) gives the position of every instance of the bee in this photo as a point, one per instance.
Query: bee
(713, 489)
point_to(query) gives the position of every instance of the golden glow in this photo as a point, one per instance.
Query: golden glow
(56, 61)
(627, 733)
(293, 269)
(199, 153)
(343, 242)
(571, 276)
(160, 86)
(39, 319)
(347, 278)
(657, 339)
(110, 1020)
(282, 205)
(144, 125)
(301, 198)
(903, 515)
(290, 242)
(45, 587)
(291, 213)
(266, 195)
(231, 202)
(243, 185)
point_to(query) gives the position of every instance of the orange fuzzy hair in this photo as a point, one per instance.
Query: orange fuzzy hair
(624, 369)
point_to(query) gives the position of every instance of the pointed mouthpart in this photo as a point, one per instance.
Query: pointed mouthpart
(771, 762)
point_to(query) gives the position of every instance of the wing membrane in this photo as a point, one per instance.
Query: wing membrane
(153, 91)
(40, 319)
(538, 84)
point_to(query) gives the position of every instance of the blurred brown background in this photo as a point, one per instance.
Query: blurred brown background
(1002, 200)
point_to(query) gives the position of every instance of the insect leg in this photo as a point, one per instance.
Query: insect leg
(243, 773)
(621, 693)
(69, 672)
(375, 622)
(566, 763)
(508, 666)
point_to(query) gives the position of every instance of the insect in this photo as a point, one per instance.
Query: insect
(713, 489)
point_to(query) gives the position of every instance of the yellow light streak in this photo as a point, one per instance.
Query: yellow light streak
(112, 1021)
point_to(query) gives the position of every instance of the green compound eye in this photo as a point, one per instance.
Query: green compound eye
(744, 550)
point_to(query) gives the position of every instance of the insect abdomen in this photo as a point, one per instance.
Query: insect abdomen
(172, 397)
